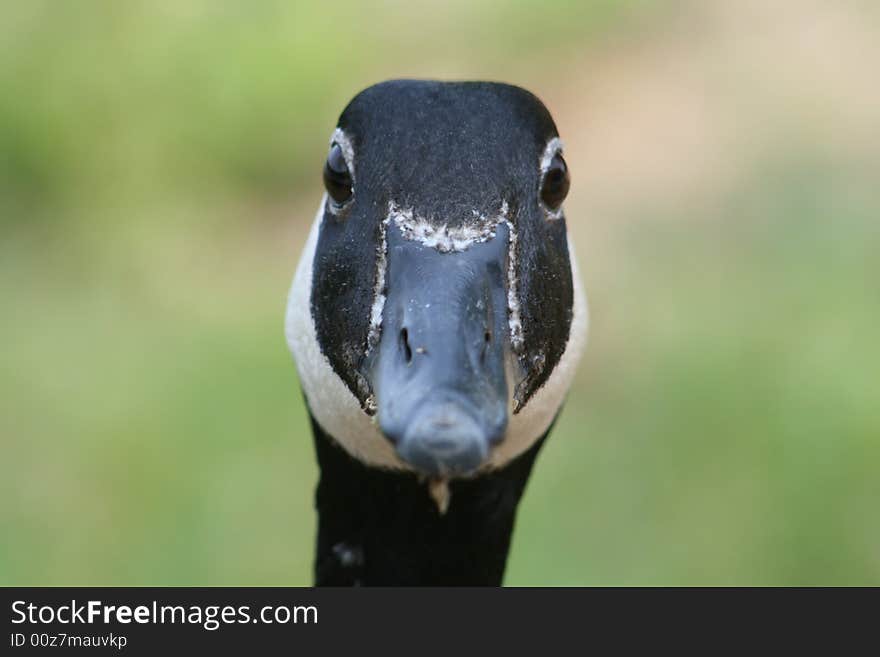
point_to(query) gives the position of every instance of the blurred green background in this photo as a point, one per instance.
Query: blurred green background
(160, 163)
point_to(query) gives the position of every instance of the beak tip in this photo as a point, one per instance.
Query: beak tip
(444, 441)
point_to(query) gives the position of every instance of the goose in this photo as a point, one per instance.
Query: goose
(436, 319)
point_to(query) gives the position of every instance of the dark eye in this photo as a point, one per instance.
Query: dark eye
(337, 177)
(554, 186)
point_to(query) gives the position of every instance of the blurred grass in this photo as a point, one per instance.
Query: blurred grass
(107, 101)
(726, 430)
(158, 167)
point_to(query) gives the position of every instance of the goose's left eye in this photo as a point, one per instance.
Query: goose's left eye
(554, 186)
(337, 177)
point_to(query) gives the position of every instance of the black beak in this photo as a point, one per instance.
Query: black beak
(438, 372)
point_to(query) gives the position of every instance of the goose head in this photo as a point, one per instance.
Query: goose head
(436, 315)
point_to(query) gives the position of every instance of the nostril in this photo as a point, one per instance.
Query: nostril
(487, 340)
(404, 344)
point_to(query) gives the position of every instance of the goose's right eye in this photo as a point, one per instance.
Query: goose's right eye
(337, 177)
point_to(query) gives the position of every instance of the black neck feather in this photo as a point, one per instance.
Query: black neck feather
(379, 527)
